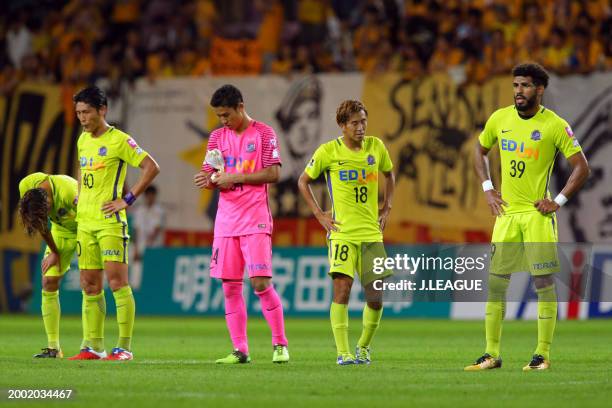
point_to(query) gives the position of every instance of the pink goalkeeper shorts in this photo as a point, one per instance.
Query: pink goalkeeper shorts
(230, 255)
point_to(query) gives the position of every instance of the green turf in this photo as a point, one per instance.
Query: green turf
(415, 363)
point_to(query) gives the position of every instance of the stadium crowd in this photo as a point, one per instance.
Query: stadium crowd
(82, 41)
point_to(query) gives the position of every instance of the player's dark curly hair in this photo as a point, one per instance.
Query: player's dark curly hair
(34, 211)
(534, 70)
(347, 108)
(227, 96)
(93, 96)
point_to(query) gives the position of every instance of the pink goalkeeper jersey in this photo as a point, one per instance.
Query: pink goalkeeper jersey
(244, 209)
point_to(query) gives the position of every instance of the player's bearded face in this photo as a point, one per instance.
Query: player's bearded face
(525, 93)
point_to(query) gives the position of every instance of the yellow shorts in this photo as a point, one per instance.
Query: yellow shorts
(346, 257)
(96, 246)
(66, 246)
(525, 242)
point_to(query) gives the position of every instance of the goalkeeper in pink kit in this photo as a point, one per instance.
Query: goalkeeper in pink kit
(242, 158)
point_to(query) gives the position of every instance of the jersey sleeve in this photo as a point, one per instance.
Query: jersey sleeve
(213, 143)
(386, 165)
(565, 140)
(270, 154)
(488, 136)
(131, 152)
(318, 164)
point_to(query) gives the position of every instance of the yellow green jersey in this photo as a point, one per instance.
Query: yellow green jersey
(63, 193)
(352, 182)
(103, 162)
(527, 148)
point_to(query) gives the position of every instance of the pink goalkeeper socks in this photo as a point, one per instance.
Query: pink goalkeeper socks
(236, 315)
(272, 309)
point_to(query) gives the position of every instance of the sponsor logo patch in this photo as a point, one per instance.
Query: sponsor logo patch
(132, 143)
(569, 131)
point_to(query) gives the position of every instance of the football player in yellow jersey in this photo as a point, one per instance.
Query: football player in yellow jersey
(351, 164)
(529, 136)
(102, 238)
(45, 198)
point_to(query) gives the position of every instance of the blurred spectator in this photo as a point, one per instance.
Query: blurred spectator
(445, 55)
(149, 223)
(302, 63)
(202, 63)
(270, 29)
(148, 232)
(367, 39)
(557, 54)
(312, 16)
(531, 48)
(587, 52)
(134, 54)
(159, 65)
(18, 39)
(498, 55)
(411, 66)
(282, 64)
(78, 65)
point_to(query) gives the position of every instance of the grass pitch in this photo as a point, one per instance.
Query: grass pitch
(415, 363)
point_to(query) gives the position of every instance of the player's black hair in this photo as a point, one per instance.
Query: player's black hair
(151, 189)
(34, 210)
(227, 96)
(93, 96)
(534, 70)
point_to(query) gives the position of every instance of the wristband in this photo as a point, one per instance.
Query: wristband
(560, 199)
(129, 198)
(487, 185)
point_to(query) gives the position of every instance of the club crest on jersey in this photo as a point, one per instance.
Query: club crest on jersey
(102, 151)
(371, 160)
(250, 147)
(536, 135)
